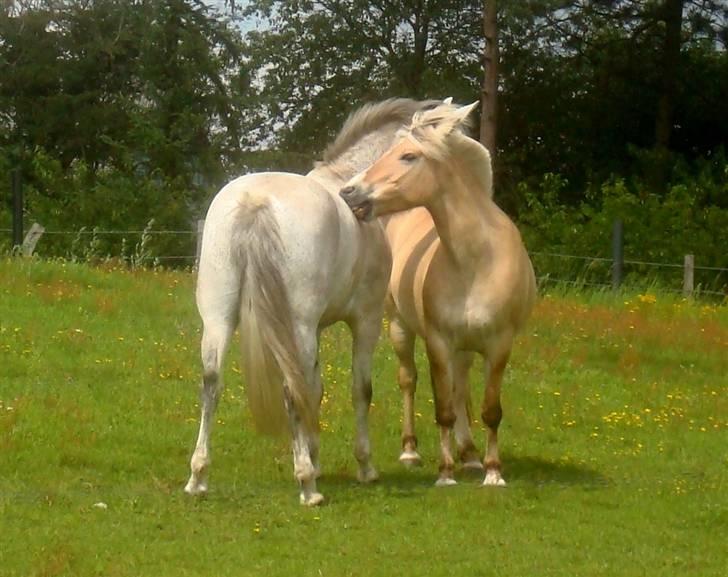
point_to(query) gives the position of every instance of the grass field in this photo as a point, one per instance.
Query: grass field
(614, 442)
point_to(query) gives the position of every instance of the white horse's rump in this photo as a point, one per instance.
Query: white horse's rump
(283, 254)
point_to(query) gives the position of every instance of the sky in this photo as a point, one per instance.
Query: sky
(243, 25)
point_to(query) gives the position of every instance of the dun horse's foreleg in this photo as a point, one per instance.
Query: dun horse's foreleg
(215, 340)
(441, 374)
(492, 414)
(365, 335)
(403, 341)
(467, 451)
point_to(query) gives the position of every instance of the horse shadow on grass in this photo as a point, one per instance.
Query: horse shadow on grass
(519, 471)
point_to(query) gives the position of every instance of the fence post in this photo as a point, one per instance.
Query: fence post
(32, 238)
(17, 188)
(689, 275)
(198, 249)
(617, 253)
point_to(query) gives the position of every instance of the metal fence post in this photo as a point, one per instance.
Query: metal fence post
(689, 275)
(617, 254)
(17, 188)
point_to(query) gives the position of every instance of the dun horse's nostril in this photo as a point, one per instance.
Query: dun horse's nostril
(346, 191)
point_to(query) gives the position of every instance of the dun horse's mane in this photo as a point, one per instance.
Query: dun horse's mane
(441, 140)
(371, 117)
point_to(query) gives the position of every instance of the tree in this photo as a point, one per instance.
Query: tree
(671, 15)
(120, 111)
(316, 61)
(84, 84)
(489, 119)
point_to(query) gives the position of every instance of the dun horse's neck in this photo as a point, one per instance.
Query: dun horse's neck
(464, 217)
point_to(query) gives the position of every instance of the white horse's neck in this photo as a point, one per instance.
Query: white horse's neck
(465, 216)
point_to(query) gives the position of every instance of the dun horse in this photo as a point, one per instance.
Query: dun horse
(283, 256)
(461, 277)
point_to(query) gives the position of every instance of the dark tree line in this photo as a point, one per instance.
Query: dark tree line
(120, 111)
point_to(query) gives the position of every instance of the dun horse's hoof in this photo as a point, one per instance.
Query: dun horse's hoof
(493, 479)
(410, 459)
(312, 499)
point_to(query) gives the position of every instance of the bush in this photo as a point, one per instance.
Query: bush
(657, 229)
(86, 212)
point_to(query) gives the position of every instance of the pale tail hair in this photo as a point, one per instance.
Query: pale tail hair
(271, 361)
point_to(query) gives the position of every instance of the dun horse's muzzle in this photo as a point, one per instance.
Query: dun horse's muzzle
(357, 201)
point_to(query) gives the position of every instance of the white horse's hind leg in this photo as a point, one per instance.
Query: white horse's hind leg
(365, 336)
(314, 440)
(306, 442)
(461, 399)
(215, 340)
(304, 469)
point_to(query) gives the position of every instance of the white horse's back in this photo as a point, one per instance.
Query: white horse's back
(322, 241)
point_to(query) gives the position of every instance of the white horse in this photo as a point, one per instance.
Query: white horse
(283, 256)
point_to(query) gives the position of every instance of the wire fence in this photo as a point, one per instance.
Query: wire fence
(717, 286)
(580, 276)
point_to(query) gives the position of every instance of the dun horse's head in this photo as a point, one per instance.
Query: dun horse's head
(410, 173)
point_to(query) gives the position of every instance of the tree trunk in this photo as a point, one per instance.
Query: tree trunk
(672, 16)
(419, 55)
(489, 118)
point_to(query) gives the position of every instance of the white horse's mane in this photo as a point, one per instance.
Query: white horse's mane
(370, 118)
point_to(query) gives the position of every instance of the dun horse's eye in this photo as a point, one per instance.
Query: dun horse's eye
(408, 157)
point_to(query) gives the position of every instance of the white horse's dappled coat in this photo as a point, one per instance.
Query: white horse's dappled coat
(283, 256)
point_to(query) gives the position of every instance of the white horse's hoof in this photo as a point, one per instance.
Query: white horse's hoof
(312, 500)
(493, 479)
(445, 482)
(474, 465)
(367, 475)
(410, 459)
(195, 488)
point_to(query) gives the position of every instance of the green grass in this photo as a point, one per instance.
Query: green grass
(614, 442)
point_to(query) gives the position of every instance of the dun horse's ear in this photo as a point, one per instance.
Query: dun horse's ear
(463, 112)
(447, 100)
(453, 120)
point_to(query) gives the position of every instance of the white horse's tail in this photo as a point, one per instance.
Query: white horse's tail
(271, 360)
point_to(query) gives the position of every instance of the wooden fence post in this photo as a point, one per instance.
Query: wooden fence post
(617, 254)
(689, 275)
(31, 239)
